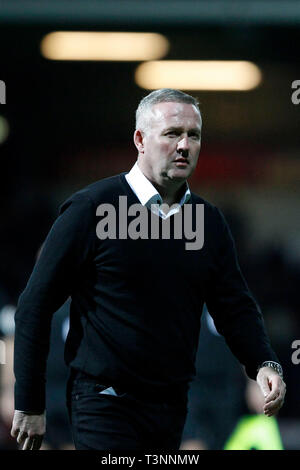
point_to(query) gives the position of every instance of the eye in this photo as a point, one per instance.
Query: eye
(194, 136)
(172, 134)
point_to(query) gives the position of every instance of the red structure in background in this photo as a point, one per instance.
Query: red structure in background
(218, 165)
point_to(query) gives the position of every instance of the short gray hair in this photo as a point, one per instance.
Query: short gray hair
(164, 95)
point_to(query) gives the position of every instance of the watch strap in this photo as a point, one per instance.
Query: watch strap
(274, 365)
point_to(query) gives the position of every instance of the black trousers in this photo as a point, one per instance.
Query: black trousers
(106, 418)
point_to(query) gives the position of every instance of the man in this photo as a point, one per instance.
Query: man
(136, 298)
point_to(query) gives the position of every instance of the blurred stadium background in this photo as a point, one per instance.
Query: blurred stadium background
(67, 123)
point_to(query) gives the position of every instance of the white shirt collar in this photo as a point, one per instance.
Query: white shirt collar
(145, 191)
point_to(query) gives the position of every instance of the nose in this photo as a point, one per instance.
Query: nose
(183, 146)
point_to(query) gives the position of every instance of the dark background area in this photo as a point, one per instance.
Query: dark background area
(71, 123)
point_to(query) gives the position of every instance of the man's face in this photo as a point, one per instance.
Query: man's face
(169, 148)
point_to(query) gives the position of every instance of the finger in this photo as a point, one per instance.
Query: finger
(275, 405)
(269, 403)
(272, 412)
(277, 394)
(28, 443)
(37, 442)
(21, 437)
(14, 431)
(264, 385)
(274, 394)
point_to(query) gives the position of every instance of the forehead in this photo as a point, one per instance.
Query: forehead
(175, 114)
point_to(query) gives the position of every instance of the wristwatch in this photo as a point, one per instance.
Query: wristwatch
(274, 365)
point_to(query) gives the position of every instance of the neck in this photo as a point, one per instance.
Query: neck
(171, 191)
(171, 194)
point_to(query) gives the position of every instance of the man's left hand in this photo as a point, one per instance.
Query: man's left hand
(273, 389)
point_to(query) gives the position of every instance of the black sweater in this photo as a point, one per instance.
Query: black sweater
(136, 304)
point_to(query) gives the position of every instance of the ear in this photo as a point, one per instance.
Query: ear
(138, 139)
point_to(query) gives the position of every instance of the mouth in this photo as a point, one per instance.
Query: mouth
(181, 162)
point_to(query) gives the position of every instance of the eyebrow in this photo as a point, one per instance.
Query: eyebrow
(174, 128)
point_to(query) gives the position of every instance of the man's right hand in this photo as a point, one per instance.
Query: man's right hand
(29, 429)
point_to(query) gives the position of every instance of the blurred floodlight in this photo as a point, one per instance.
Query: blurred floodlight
(198, 75)
(82, 45)
(4, 129)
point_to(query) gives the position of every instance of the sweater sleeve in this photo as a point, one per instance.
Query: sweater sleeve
(66, 250)
(236, 314)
